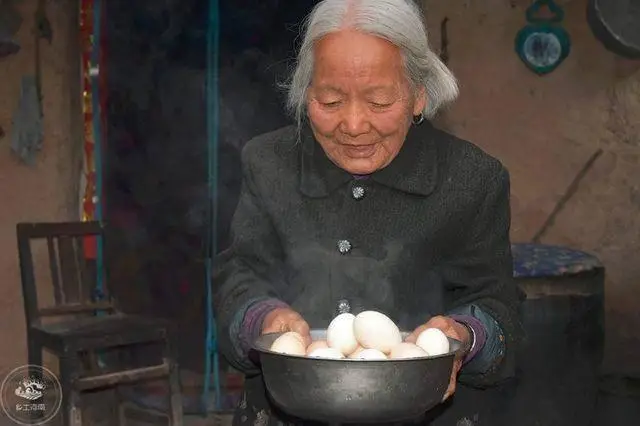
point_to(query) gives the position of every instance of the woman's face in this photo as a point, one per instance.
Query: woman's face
(359, 102)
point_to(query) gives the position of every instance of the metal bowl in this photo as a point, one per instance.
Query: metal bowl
(354, 391)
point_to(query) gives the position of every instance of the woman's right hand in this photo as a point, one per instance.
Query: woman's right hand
(281, 320)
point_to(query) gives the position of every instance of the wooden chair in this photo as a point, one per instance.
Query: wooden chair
(83, 332)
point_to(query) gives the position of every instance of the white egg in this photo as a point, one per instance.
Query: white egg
(328, 353)
(369, 354)
(290, 344)
(374, 330)
(406, 350)
(355, 353)
(340, 334)
(433, 341)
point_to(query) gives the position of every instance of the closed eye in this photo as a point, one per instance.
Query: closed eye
(380, 105)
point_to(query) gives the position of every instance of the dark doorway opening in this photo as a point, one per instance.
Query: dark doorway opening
(156, 146)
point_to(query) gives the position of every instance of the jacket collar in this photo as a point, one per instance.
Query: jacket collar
(413, 171)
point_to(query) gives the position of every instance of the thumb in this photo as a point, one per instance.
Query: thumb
(301, 327)
(411, 338)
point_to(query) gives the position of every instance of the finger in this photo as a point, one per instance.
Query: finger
(274, 327)
(279, 324)
(454, 380)
(302, 328)
(450, 390)
(307, 339)
(413, 337)
(438, 322)
(273, 321)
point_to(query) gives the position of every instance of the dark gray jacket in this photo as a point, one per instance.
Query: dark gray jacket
(430, 236)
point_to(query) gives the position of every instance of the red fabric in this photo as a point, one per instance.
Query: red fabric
(91, 243)
(90, 247)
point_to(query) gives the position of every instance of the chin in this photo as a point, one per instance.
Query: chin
(359, 167)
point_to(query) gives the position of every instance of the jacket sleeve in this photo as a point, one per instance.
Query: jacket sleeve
(481, 275)
(249, 271)
(488, 339)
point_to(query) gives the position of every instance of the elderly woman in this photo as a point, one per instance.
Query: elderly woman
(365, 205)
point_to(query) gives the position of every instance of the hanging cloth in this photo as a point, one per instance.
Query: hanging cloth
(27, 129)
(543, 44)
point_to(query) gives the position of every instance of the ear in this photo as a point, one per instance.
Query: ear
(420, 102)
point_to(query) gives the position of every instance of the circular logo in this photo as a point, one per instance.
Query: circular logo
(542, 49)
(31, 395)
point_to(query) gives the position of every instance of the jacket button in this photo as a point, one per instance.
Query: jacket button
(343, 306)
(358, 192)
(344, 246)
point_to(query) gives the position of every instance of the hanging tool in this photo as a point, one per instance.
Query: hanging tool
(43, 25)
(42, 31)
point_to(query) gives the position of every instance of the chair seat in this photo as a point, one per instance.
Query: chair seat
(99, 332)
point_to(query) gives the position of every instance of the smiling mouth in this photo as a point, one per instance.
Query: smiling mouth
(360, 151)
(359, 147)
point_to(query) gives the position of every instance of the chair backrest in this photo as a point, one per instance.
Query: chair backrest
(70, 272)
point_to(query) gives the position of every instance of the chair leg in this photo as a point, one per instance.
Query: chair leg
(122, 413)
(175, 394)
(34, 358)
(34, 349)
(72, 411)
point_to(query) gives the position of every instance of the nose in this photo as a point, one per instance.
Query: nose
(354, 121)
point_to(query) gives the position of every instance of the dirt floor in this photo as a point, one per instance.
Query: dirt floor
(99, 411)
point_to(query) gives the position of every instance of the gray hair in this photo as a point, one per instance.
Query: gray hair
(398, 21)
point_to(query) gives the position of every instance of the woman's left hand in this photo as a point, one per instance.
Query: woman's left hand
(453, 329)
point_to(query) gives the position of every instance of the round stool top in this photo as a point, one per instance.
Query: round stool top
(542, 260)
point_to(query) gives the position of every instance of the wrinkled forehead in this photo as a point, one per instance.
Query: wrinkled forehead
(357, 57)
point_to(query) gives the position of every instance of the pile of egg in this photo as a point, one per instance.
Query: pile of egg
(370, 336)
